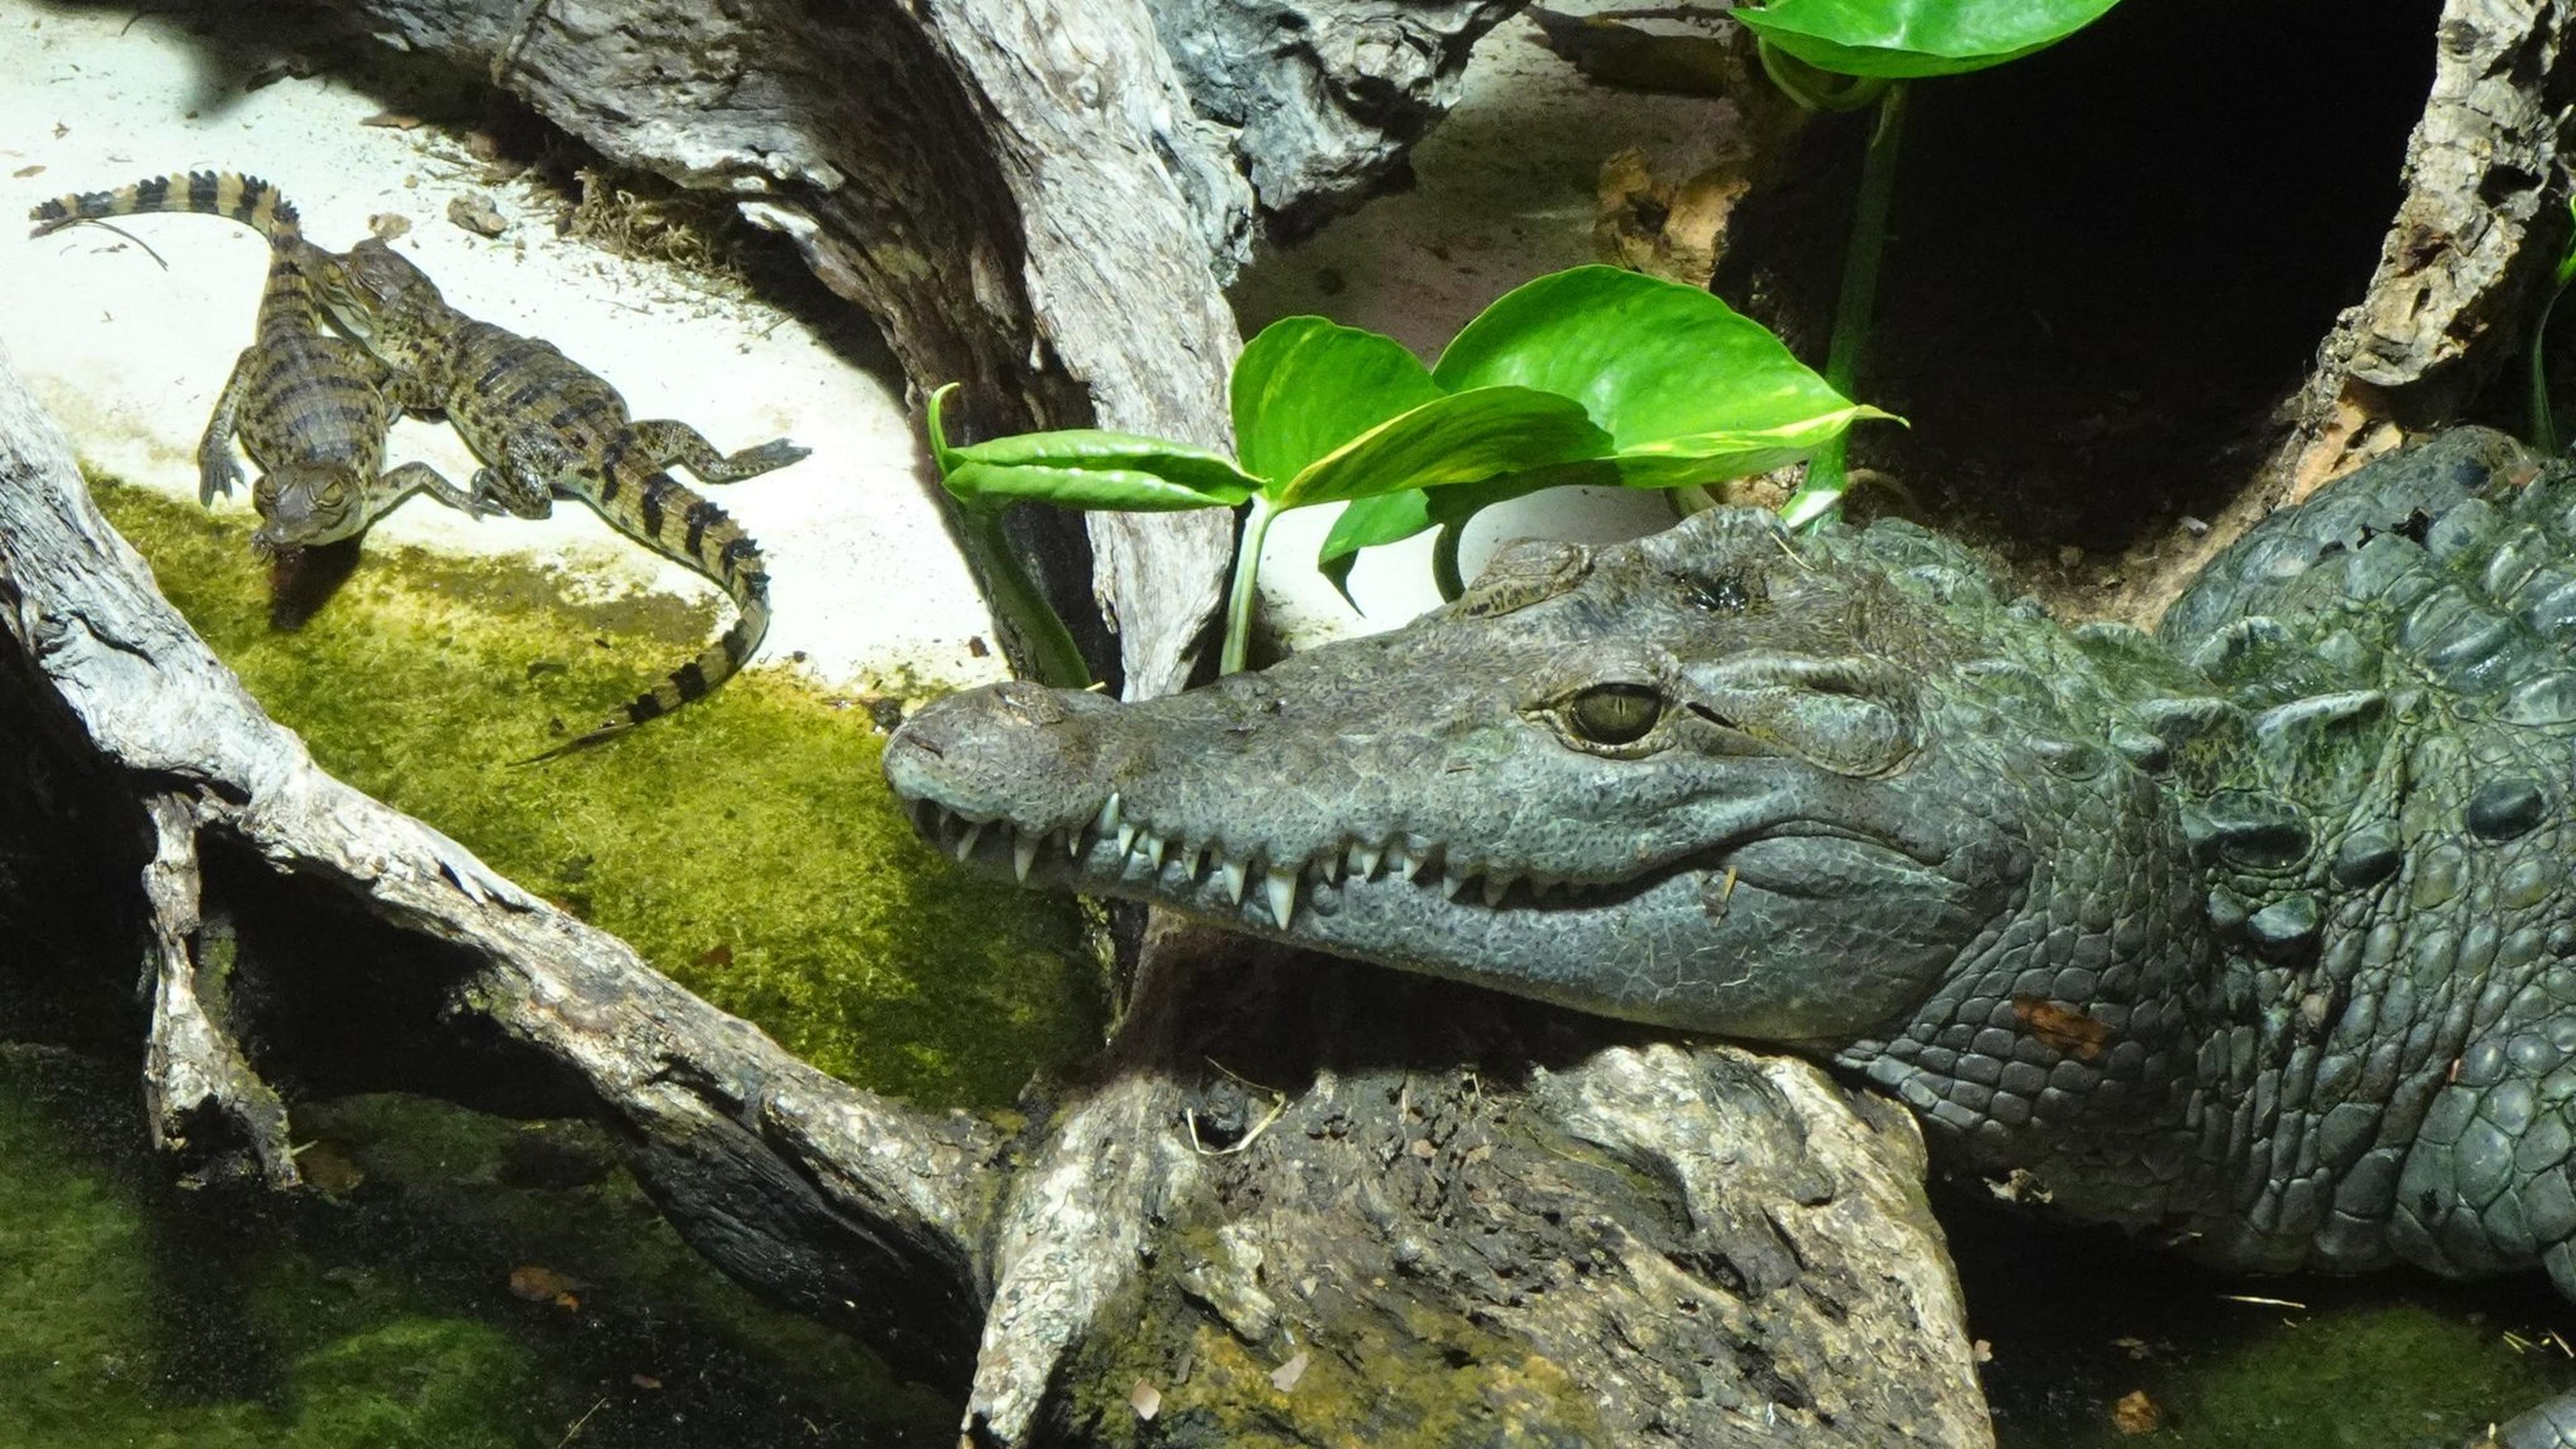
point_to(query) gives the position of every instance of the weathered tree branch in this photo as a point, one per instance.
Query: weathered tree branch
(880, 1195)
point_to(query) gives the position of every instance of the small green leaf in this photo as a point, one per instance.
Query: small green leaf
(1904, 39)
(1653, 361)
(1306, 386)
(1366, 523)
(940, 452)
(1134, 489)
(1466, 437)
(1091, 468)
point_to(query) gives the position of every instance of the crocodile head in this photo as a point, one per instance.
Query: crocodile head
(372, 290)
(1720, 779)
(303, 504)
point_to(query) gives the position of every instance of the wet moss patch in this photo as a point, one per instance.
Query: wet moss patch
(747, 845)
(391, 1308)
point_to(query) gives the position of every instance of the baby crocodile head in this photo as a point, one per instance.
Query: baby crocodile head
(302, 505)
(371, 288)
(1719, 779)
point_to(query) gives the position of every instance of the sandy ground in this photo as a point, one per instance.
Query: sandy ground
(129, 354)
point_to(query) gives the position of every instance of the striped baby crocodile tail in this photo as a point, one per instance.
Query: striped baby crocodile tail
(675, 522)
(246, 199)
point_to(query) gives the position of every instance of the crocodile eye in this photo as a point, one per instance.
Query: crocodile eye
(1616, 714)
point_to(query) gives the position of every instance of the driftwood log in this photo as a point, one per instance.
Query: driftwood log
(1401, 1213)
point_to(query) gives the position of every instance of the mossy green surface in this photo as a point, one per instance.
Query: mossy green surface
(747, 845)
(2080, 1320)
(390, 1312)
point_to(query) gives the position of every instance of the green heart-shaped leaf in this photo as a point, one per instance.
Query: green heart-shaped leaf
(1465, 437)
(1652, 361)
(1306, 386)
(1904, 39)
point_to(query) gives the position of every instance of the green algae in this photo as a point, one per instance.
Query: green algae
(2080, 1320)
(747, 845)
(137, 1313)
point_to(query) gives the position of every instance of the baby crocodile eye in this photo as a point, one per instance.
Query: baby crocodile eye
(1616, 714)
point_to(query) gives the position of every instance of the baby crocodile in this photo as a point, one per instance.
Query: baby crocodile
(2255, 936)
(311, 407)
(547, 425)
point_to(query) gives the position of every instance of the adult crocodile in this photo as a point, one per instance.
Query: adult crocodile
(2255, 934)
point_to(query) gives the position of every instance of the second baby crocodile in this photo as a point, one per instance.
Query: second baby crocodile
(544, 425)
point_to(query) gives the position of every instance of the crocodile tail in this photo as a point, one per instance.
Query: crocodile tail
(665, 514)
(246, 199)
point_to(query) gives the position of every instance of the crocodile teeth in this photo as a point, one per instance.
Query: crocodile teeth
(1233, 873)
(1108, 820)
(1496, 887)
(1331, 868)
(1073, 842)
(1409, 861)
(1154, 854)
(1193, 862)
(1126, 840)
(1283, 895)
(966, 842)
(1024, 853)
(1364, 859)
(1542, 885)
(1449, 884)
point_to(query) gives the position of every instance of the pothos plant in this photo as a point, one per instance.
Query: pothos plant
(1845, 54)
(1593, 375)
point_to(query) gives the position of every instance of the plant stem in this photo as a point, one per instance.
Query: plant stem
(1247, 577)
(1444, 561)
(1820, 496)
(2544, 422)
(1020, 608)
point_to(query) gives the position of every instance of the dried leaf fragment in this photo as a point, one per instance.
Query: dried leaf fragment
(1146, 1400)
(1284, 1378)
(2137, 1414)
(392, 121)
(543, 1285)
(475, 212)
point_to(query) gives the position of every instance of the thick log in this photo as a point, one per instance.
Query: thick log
(1628, 1243)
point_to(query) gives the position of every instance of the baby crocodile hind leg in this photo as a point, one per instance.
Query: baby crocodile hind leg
(522, 484)
(218, 466)
(668, 441)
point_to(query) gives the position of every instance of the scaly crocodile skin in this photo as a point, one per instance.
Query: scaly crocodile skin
(2256, 935)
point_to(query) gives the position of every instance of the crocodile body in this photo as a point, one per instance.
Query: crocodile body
(312, 408)
(546, 425)
(2256, 935)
